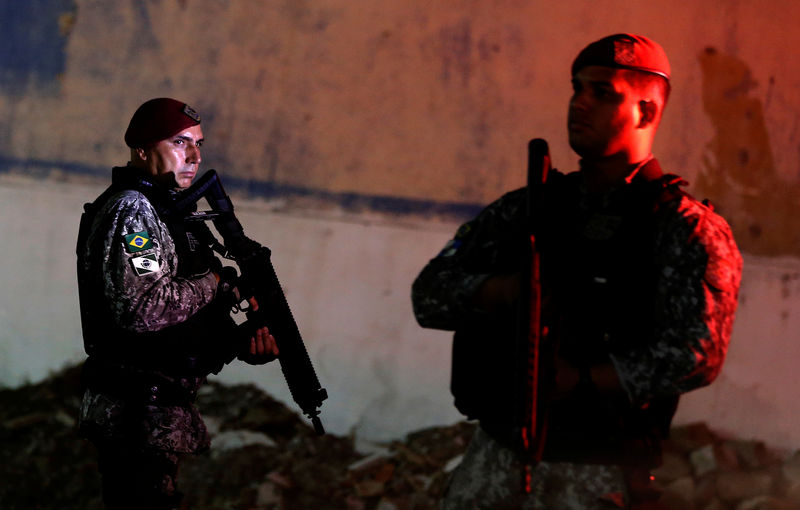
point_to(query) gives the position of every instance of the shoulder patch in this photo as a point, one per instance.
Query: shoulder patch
(451, 248)
(146, 264)
(138, 241)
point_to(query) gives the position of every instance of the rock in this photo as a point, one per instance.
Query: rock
(354, 503)
(366, 448)
(690, 437)
(715, 504)
(739, 485)
(791, 468)
(705, 491)
(751, 454)
(453, 463)
(385, 504)
(28, 420)
(674, 466)
(703, 460)
(369, 488)
(679, 494)
(233, 439)
(765, 503)
(279, 480)
(369, 461)
(267, 495)
(792, 494)
(726, 456)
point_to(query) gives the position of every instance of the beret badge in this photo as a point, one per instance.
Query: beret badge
(191, 113)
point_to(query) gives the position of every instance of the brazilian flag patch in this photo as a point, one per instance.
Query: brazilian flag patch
(138, 241)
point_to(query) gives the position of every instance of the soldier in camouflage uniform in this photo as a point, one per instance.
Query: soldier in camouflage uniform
(640, 285)
(154, 311)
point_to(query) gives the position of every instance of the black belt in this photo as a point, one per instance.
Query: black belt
(134, 384)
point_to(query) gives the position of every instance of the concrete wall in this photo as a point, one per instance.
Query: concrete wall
(358, 134)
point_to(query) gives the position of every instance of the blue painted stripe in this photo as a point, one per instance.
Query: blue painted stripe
(32, 46)
(355, 202)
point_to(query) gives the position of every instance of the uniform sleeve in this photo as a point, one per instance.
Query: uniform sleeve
(139, 264)
(697, 283)
(442, 291)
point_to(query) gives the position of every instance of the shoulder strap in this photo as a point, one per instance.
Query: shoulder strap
(663, 187)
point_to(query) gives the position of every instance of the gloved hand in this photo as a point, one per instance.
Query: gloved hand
(227, 280)
(498, 292)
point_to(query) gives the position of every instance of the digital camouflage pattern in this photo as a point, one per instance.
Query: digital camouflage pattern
(696, 270)
(134, 252)
(143, 298)
(696, 292)
(491, 476)
(178, 429)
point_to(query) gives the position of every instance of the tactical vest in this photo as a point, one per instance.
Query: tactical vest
(200, 345)
(599, 277)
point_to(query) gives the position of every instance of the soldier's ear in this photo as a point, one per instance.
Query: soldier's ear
(140, 152)
(649, 110)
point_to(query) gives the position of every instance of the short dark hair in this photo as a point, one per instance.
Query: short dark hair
(642, 80)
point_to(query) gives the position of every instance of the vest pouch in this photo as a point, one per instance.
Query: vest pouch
(482, 377)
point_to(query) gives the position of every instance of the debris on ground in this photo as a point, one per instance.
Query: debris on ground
(266, 457)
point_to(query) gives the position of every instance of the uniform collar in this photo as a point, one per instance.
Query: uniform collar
(647, 170)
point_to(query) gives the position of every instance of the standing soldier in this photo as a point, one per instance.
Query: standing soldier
(640, 283)
(155, 314)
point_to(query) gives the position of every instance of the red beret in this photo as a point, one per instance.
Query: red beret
(158, 119)
(624, 51)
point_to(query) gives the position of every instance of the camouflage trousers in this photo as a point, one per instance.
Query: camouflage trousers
(137, 479)
(491, 476)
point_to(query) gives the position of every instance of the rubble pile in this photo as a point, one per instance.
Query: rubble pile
(702, 470)
(264, 456)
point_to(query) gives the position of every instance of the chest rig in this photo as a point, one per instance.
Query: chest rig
(598, 260)
(600, 275)
(598, 279)
(176, 347)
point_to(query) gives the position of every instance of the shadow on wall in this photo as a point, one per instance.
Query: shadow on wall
(739, 171)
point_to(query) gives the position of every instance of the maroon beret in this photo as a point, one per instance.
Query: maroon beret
(624, 51)
(158, 119)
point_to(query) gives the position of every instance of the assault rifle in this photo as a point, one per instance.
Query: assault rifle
(531, 333)
(258, 279)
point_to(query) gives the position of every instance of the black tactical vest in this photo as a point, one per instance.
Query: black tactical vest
(200, 345)
(598, 274)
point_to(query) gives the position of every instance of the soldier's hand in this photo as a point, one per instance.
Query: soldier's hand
(567, 378)
(263, 344)
(498, 292)
(263, 347)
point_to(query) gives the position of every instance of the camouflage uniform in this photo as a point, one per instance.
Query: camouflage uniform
(643, 276)
(153, 331)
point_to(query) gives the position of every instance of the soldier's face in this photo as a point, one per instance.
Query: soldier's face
(174, 162)
(603, 113)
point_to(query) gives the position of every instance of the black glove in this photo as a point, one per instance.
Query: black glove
(227, 289)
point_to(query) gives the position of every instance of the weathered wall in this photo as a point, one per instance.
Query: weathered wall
(404, 99)
(408, 108)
